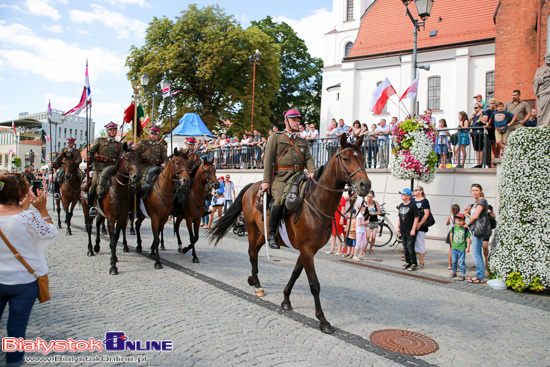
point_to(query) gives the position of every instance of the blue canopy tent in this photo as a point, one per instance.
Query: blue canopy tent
(190, 126)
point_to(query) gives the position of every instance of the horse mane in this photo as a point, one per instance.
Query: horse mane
(319, 172)
(194, 172)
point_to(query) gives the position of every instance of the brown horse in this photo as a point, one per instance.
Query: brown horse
(160, 201)
(192, 208)
(313, 227)
(116, 203)
(70, 192)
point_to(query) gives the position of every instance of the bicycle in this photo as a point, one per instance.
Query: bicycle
(386, 231)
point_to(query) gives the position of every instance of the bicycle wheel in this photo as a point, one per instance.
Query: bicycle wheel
(384, 235)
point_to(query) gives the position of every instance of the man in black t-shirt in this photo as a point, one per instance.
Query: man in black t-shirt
(408, 221)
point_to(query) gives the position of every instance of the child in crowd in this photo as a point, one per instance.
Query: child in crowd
(360, 230)
(352, 249)
(455, 209)
(443, 143)
(461, 240)
(409, 214)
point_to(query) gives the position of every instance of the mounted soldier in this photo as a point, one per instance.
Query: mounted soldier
(152, 154)
(103, 154)
(69, 151)
(285, 155)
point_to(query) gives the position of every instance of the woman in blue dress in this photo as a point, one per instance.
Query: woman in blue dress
(463, 139)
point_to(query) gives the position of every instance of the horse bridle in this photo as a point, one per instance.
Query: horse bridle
(176, 180)
(130, 179)
(346, 174)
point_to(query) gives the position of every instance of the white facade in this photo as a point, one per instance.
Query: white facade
(348, 85)
(64, 126)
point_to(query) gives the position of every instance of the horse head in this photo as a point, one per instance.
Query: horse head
(208, 175)
(351, 166)
(129, 164)
(180, 163)
(70, 166)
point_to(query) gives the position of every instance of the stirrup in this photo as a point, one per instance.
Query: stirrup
(93, 211)
(56, 196)
(273, 243)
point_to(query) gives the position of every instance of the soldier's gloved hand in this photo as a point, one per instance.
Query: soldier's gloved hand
(311, 175)
(265, 186)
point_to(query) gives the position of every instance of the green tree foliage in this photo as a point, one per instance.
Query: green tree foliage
(301, 78)
(204, 52)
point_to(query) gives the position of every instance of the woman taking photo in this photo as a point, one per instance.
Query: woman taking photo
(29, 233)
(463, 140)
(354, 132)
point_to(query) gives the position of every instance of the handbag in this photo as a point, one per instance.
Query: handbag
(482, 227)
(43, 281)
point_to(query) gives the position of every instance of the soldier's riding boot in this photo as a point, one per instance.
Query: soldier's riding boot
(274, 216)
(56, 195)
(91, 199)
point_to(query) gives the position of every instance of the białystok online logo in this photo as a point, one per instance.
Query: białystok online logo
(115, 341)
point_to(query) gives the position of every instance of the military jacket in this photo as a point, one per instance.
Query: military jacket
(289, 163)
(65, 152)
(30, 177)
(104, 153)
(151, 152)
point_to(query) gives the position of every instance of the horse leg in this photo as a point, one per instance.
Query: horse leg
(99, 221)
(315, 288)
(138, 226)
(58, 209)
(114, 235)
(189, 225)
(124, 242)
(255, 242)
(162, 241)
(286, 305)
(157, 228)
(89, 223)
(103, 229)
(177, 230)
(194, 239)
(68, 216)
(132, 230)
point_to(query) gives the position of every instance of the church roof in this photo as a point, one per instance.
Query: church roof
(386, 28)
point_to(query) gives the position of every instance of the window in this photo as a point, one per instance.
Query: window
(349, 45)
(489, 86)
(434, 93)
(349, 10)
(65, 133)
(385, 110)
(80, 134)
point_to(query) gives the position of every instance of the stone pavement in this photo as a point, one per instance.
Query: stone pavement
(213, 318)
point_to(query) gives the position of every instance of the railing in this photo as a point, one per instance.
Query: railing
(464, 148)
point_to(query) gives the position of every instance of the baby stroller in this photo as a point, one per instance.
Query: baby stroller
(240, 228)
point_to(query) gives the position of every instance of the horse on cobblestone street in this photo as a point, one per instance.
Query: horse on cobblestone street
(116, 204)
(70, 192)
(159, 202)
(313, 226)
(193, 208)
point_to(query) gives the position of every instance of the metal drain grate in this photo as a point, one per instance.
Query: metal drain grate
(404, 342)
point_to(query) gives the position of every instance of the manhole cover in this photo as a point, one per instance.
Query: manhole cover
(404, 342)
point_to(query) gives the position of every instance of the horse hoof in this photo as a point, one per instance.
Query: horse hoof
(196, 260)
(158, 266)
(90, 253)
(113, 271)
(250, 281)
(132, 232)
(125, 249)
(68, 233)
(286, 306)
(96, 248)
(326, 328)
(59, 226)
(162, 248)
(180, 250)
(260, 292)
(138, 250)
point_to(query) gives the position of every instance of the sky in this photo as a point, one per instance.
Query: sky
(44, 45)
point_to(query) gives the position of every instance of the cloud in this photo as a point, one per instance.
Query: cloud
(309, 30)
(83, 32)
(123, 25)
(56, 28)
(43, 8)
(123, 3)
(21, 49)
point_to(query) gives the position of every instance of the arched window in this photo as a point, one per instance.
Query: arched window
(434, 93)
(347, 49)
(489, 86)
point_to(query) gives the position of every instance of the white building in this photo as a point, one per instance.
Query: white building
(458, 42)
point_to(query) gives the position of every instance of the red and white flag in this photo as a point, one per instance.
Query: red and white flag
(411, 90)
(13, 125)
(47, 138)
(85, 98)
(380, 96)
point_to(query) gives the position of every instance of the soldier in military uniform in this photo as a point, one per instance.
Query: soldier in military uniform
(285, 155)
(69, 151)
(29, 175)
(103, 153)
(152, 153)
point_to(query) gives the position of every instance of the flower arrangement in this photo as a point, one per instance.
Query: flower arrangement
(414, 156)
(521, 254)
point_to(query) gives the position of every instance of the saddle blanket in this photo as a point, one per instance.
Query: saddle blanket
(142, 207)
(284, 234)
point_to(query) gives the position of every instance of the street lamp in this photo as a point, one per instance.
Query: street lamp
(254, 59)
(144, 83)
(424, 9)
(165, 86)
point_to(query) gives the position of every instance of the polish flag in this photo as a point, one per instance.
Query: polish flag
(380, 96)
(13, 125)
(47, 138)
(411, 90)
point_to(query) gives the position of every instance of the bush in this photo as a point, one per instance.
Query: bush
(522, 257)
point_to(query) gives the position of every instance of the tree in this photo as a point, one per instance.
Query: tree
(204, 52)
(301, 78)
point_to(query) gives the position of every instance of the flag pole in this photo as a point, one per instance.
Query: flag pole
(406, 111)
(136, 91)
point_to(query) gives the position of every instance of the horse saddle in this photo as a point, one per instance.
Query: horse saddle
(150, 179)
(294, 192)
(104, 180)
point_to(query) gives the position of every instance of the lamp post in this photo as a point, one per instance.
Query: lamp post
(165, 86)
(424, 9)
(253, 60)
(144, 83)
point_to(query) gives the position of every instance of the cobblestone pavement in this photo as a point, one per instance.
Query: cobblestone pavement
(214, 319)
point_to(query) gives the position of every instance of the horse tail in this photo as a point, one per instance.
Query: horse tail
(231, 215)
